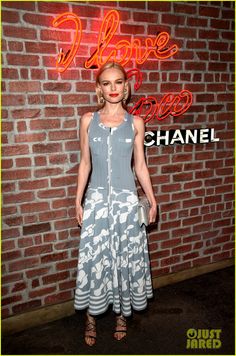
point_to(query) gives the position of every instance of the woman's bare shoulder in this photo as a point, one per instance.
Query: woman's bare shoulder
(86, 118)
(138, 121)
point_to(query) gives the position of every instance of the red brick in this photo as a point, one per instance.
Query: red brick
(22, 60)
(19, 308)
(10, 209)
(76, 98)
(45, 172)
(23, 162)
(198, 22)
(181, 32)
(65, 87)
(54, 257)
(60, 203)
(215, 66)
(54, 35)
(19, 5)
(8, 245)
(15, 46)
(6, 163)
(38, 250)
(36, 74)
(228, 14)
(18, 287)
(41, 292)
(51, 193)
(55, 277)
(216, 46)
(220, 24)
(132, 29)
(19, 197)
(23, 264)
(53, 8)
(10, 300)
(67, 285)
(72, 264)
(22, 86)
(87, 11)
(170, 243)
(19, 32)
(16, 174)
(58, 159)
(35, 184)
(36, 137)
(144, 17)
(162, 6)
(9, 16)
(24, 242)
(62, 135)
(37, 272)
(45, 124)
(11, 255)
(47, 148)
(61, 112)
(34, 207)
(37, 228)
(53, 215)
(185, 8)
(9, 73)
(209, 11)
(39, 20)
(206, 34)
(170, 260)
(39, 47)
(56, 298)
(15, 150)
(26, 113)
(171, 19)
(13, 100)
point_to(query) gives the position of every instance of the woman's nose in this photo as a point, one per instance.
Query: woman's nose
(113, 86)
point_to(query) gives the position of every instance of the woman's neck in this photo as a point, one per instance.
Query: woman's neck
(110, 109)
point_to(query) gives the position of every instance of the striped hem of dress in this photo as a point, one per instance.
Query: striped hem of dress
(97, 306)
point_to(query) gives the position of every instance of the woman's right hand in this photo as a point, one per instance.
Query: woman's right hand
(79, 213)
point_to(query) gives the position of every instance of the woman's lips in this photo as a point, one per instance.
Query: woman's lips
(113, 95)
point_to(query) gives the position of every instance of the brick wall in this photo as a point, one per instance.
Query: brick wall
(40, 146)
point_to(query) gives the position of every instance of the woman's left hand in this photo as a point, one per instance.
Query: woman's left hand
(152, 214)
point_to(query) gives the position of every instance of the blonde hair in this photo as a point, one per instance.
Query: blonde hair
(102, 69)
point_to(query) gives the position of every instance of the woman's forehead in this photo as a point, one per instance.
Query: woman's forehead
(111, 73)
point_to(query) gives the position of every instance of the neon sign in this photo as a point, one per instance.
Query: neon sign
(65, 60)
(125, 48)
(109, 26)
(121, 52)
(170, 104)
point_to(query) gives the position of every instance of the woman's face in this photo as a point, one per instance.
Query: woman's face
(112, 85)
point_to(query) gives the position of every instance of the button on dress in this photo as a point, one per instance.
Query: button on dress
(113, 263)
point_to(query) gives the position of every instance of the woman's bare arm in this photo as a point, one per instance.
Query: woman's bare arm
(85, 163)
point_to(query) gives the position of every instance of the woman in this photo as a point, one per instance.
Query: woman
(113, 263)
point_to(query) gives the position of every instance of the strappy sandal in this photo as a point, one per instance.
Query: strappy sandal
(121, 327)
(90, 329)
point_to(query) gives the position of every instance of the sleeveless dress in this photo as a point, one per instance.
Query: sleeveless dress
(113, 264)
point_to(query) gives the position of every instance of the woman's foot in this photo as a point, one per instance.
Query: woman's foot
(90, 334)
(121, 328)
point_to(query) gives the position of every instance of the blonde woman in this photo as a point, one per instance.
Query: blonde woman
(113, 267)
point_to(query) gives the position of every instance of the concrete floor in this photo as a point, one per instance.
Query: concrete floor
(203, 302)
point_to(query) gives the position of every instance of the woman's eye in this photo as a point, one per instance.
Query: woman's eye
(105, 83)
(120, 82)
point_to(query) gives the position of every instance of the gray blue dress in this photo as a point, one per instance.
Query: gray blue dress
(113, 265)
